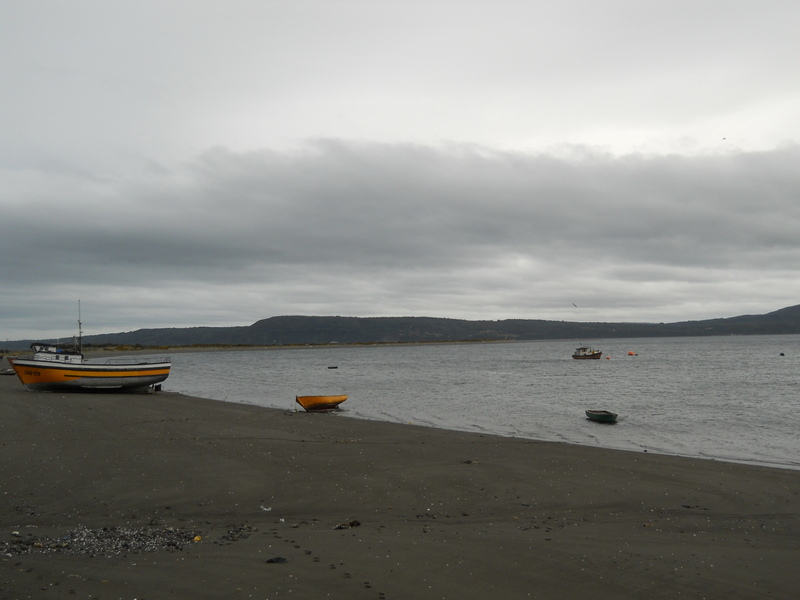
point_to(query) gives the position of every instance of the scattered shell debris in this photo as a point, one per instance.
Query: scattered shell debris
(106, 541)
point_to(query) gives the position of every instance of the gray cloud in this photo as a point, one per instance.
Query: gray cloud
(462, 231)
(238, 160)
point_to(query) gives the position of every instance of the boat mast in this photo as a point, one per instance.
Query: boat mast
(80, 330)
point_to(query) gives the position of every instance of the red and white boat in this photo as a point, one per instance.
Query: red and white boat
(583, 352)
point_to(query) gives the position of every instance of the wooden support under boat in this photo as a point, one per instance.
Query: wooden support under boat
(312, 403)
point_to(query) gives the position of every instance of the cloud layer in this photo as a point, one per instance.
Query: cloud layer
(216, 163)
(400, 229)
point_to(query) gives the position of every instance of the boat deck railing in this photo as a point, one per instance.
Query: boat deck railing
(129, 360)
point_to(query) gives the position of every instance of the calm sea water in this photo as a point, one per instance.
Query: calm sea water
(729, 398)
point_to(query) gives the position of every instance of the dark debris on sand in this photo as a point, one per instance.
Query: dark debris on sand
(107, 541)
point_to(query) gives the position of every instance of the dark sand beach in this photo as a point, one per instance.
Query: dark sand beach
(154, 496)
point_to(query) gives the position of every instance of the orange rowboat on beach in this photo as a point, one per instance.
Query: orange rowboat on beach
(312, 403)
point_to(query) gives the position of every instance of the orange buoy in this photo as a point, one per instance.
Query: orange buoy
(631, 353)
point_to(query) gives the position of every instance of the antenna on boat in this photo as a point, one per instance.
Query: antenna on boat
(80, 330)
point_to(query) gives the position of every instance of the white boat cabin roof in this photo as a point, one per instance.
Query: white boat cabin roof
(48, 351)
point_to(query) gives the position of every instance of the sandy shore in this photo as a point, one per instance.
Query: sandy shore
(154, 496)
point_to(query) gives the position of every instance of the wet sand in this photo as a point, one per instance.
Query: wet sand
(239, 501)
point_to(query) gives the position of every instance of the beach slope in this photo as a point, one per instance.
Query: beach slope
(154, 496)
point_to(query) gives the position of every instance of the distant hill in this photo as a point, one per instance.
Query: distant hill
(294, 330)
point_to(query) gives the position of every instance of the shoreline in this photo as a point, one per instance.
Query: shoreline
(98, 354)
(785, 460)
(283, 504)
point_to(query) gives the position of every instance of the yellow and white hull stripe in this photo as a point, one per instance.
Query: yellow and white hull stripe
(45, 375)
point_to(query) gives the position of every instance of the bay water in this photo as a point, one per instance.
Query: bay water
(734, 398)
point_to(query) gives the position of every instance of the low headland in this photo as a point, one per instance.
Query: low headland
(322, 330)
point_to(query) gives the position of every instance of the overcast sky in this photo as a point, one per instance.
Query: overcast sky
(187, 163)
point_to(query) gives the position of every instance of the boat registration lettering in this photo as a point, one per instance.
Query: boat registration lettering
(33, 373)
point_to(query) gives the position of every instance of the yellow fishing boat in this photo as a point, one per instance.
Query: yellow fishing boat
(55, 367)
(52, 368)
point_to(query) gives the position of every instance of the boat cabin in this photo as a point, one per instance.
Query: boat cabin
(54, 352)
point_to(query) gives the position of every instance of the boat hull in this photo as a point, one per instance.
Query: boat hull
(315, 403)
(44, 375)
(594, 356)
(601, 416)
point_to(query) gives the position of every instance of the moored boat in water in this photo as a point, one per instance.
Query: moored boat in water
(583, 352)
(601, 416)
(313, 403)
